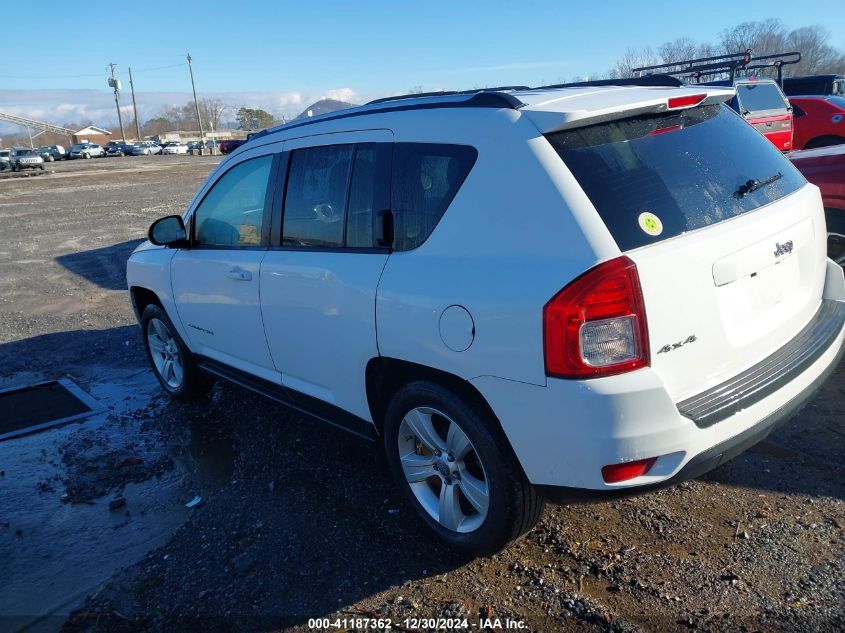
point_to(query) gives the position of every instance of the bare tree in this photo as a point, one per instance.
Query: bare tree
(684, 48)
(817, 56)
(765, 37)
(634, 58)
(212, 109)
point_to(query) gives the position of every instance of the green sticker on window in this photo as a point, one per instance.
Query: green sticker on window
(650, 223)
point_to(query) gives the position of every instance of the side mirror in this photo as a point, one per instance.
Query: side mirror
(168, 231)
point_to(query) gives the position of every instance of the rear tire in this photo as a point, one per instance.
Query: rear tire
(171, 360)
(835, 220)
(457, 469)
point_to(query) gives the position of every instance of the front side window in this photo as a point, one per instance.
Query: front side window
(425, 179)
(315, 200)
(233, 212)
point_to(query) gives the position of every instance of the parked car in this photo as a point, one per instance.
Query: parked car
(230, 145)
(818, 121)
(815, 85)
(174, 147)
(52, 153)
(195, 145)
(146, 148)
(120, 149)
(21, 158)
(577, 295)
(86, 150)
(5, 161)
(825, 168)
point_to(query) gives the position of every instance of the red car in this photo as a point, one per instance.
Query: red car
(818, 121)
(825, 168)
(227, 147)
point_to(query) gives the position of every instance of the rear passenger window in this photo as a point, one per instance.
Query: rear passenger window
(316, 196)
(425, 179)
(233, 212)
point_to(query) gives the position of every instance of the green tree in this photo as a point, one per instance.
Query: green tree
(254, 119)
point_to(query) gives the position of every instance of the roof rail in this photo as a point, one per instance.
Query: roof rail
(648, 80)
(478, 99)
(731, 63)
(444, 93)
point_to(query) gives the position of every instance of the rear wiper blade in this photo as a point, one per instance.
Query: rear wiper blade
(754, 185)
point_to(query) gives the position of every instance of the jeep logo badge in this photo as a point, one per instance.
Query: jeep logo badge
(783, 249)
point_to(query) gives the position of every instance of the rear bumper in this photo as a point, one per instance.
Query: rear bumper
(565, 432)
(705, 461)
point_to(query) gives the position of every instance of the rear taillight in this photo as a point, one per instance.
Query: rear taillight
(596, 326)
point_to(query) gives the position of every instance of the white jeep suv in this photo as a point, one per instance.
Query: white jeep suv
(558, 293)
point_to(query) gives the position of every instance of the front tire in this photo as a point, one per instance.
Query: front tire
(171, 360)
(456, 467)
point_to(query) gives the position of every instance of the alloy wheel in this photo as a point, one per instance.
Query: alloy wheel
(443, 469)
(165, 353)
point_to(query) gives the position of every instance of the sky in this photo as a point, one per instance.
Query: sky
(282, 55)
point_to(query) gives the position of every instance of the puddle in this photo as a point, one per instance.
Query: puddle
(55, 552)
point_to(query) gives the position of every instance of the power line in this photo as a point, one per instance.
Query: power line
(140, 70)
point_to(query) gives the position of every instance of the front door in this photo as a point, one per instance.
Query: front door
(216, 280)
(318, 284)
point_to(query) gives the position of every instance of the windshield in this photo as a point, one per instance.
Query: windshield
(759, 97)
(676, 171)
(79, 146)
(25, 152)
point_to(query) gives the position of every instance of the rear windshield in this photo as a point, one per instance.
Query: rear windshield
(759, 97)
(658, 176)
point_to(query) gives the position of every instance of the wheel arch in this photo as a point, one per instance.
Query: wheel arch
(385, 376)
(824, 140)
(142, 297)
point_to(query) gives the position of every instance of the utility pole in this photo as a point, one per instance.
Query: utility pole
(134, 107)
(196, 103)
(114, 82)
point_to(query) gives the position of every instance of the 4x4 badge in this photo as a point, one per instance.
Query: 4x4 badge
(673, 346)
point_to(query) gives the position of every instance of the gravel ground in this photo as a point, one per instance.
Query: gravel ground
(298, 520)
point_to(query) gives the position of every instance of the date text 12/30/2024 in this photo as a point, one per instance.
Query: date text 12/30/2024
(416, 624)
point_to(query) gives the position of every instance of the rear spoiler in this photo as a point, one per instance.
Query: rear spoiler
(548, 117)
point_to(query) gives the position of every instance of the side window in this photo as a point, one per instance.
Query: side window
(316, 196)
(425, 179)
(233, 212)
(362, 198)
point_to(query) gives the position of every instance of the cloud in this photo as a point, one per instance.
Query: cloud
(61, 107)
(342, 94)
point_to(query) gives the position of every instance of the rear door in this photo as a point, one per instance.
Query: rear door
(728, 239)
(319, 279)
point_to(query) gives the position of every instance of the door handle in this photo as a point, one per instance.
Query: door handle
(239, 274)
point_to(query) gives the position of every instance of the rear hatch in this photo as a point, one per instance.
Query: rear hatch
(764, 106)
(727, 236)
